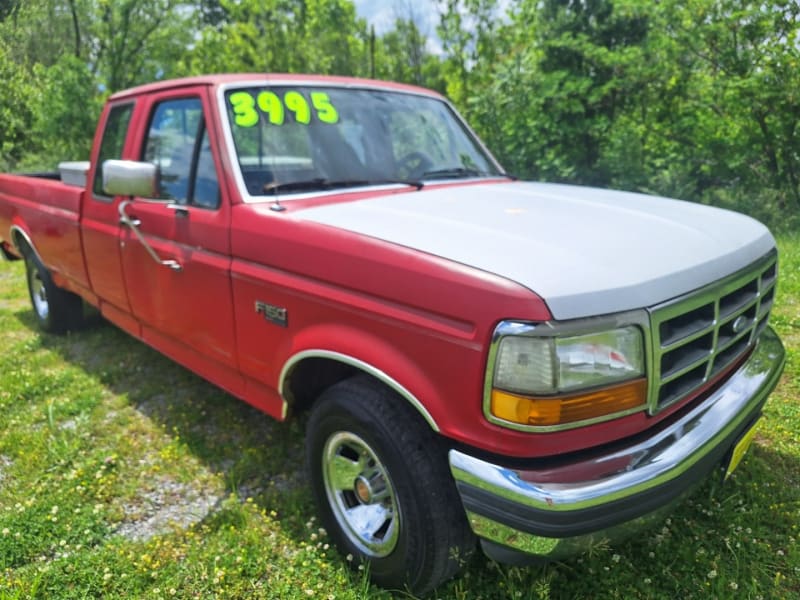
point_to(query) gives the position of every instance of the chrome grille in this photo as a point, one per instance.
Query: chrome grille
(697, 336)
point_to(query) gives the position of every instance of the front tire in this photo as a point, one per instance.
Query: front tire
(56, 310)
(383, 487)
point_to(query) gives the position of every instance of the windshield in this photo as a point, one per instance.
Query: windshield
(296, 139)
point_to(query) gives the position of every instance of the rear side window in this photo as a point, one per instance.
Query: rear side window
(113, 142)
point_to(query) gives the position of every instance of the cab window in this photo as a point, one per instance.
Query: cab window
(112, 144)
(178, 144)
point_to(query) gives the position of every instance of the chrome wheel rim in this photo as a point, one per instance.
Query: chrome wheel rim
(39, 296)
(360, 494)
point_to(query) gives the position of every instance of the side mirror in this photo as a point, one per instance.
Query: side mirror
(130, 178)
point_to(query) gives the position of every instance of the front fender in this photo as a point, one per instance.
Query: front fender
(367, 353)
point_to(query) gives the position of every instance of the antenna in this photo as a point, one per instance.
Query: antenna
(276, 205)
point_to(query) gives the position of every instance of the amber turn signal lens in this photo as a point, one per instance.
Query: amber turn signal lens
(544, 412)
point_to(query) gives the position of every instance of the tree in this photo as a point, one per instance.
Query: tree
(19, 98)
(38, 31)
(334, 38)
(402, 54)
(742, 88)
(319, 36)
(136, 41)
(576, 77)
(64, 125)
(9, 8)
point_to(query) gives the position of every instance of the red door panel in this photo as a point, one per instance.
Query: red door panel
(192, 305)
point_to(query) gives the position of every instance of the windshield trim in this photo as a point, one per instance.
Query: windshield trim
(230, 146)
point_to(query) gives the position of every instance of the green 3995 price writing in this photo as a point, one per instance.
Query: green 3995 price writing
(248, 108)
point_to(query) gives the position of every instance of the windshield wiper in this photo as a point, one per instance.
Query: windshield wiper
(273, 187)
(321, 183)
(364, 182)
(453, 173)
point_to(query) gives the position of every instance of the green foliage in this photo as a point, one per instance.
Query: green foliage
(333, 38)
(401, 55)
(695, 99)
(40, 31)
(282, 36)
(19, 98)
(742, 91)
(472, 38)
(8, 8)
(70, 106)
(137, 41)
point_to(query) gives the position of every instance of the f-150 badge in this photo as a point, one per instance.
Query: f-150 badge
(274, 314)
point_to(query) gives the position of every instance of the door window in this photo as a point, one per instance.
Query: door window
(177, 143)
(112, 144)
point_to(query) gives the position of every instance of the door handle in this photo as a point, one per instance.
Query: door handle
(180, 210)
(134, 223)
(131, 221)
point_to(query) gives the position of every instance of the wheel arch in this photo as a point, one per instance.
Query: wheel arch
(309, 372)
(22, 242)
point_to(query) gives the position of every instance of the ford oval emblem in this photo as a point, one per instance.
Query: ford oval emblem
(740, 324)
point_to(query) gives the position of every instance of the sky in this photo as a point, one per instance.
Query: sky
(425, 13)
(382, 13)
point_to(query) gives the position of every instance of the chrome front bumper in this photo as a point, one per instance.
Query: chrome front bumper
(527, 513)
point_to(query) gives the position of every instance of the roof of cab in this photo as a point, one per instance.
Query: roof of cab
(276, 78)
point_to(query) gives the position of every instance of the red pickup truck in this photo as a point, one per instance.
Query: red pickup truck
(538, 367)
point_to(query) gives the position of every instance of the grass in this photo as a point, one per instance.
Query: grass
(124, 475)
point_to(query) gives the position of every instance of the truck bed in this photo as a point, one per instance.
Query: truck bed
(50, 211)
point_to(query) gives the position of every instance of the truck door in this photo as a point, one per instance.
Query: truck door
(188, 306)
(100, 215)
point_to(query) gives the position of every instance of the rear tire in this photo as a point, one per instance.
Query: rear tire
(383, 486)
(56, 310)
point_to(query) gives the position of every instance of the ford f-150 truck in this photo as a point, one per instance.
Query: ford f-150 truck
(538, 367)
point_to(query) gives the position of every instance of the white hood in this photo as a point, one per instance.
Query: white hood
(585, 251)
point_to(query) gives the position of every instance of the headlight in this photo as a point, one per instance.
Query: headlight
(576, 379)
(551, 365)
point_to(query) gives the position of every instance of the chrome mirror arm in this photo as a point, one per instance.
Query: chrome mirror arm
(133, 224)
